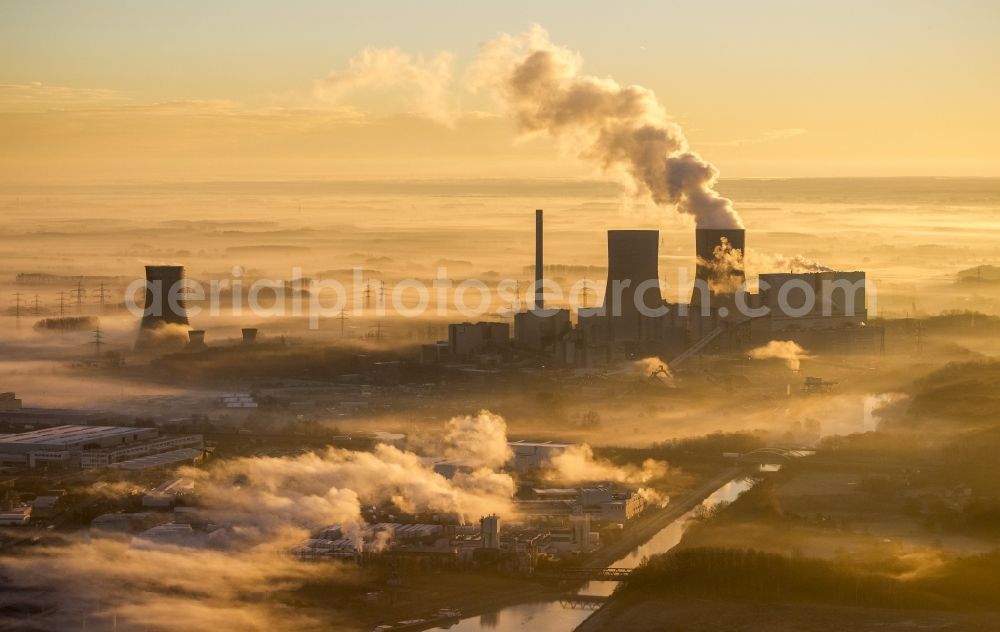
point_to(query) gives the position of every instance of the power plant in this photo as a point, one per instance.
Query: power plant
(633, 320)
(820, 309)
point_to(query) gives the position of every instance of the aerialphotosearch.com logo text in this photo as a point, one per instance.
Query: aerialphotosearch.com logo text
(318, 299)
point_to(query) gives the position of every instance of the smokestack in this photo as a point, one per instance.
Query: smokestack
(249, 335)
(720, 254)
(162, 283)
(539, 264)
(633, 257)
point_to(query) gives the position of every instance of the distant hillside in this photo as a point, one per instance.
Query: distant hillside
(967, 392)
(980, 274)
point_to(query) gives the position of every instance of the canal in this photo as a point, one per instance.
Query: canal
(560, 616)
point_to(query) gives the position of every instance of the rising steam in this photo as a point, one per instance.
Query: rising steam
(786, 350)
(425, 81)
(479, 441)
(726, 269)
(621, 128)
(577, 464)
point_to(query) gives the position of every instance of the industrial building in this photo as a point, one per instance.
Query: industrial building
(88, 446)
(532, 455)
(467, 340)
(601, 504)
(824, 310)
(13, 413)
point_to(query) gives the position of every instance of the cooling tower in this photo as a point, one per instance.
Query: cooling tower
(196, 339)
(716, 272)
(632, 269)
(249, 335)
(164, 283)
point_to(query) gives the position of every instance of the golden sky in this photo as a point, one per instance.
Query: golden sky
(124, 91)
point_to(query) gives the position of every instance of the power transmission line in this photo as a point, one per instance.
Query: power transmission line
(78, 294)
(102, 296)
(98, 340)
(343, 319)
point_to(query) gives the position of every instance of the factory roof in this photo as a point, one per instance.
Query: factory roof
(555, 491)
(539, 444)
(69, 435)
(159, 460)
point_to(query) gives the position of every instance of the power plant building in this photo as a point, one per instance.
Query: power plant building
(722, 316)
(466, 340)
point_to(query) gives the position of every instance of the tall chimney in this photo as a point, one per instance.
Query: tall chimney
(539, 264)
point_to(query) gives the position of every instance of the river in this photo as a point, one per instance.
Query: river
(556, 616)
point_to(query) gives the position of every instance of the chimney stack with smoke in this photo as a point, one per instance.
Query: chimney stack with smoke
(623, 129)
(539, 263)
(720, 274)
(720, 268)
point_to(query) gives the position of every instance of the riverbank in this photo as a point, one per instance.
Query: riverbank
(652, 522)
(482, 594)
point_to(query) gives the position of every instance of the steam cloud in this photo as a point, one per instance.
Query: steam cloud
(105, 583)
(621, 128)
(479, 441)
(577, 464)
(650, 367)
(726, 268)
(786, 350)
(426, 80)
(329, 487)
(781, 263)
(266, 505)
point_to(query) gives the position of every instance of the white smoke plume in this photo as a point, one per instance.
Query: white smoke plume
(780, 263)
(329, 487)
(426, 81)
(647, 366)
(726, 270)
(787, 350)
(163, 335)
(577, 464)
(105, 583)
(264, 505)
(479, 440)
(623, 129)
